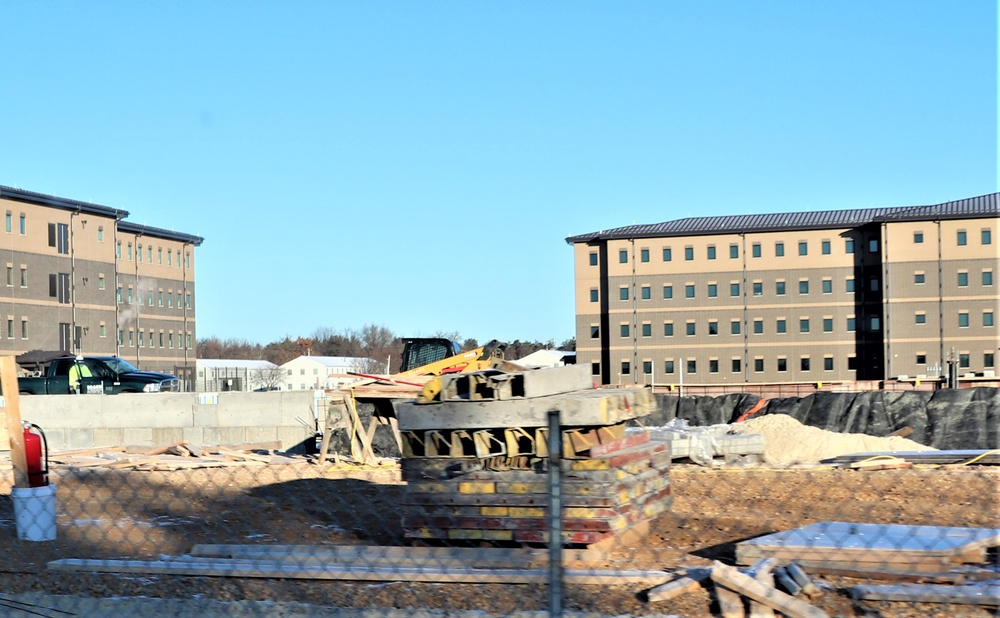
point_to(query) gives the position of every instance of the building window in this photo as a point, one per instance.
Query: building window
(779, 249)
(803, 247)
(595, 369)
(852, 363)
(825, 247)
(623, 293)
(23, 222)
(734, 251)
(689, 290)
(874, 323)
(595, 331)
(668, 367)
(711, 252)
(713, 365)
(919, 278)
(734, 327)
(10, 275)
(988, 359)
(24, 276)
(624, 330)
(668, 292)
(804, 363)
(827, 286)
(758, 327)
(646, 294)
(737, 366)
(986, 237)
(987, 318)
(803, 325)
(827, 363)
(873, 245)
(780, 326)
(59, 238)
(691, 329)
(10, 328)
(159, 258)
(667, 254)
(118, 295)
(10, 222)
(963, 360)
(713, 290)
(804, 287)
(782, 365)
(647, 367)
(963, 279)
(779, 288)
(920, 318)
(758, 288)
(918, 238)
(187, 302)
(962, 238)
(987, 277)
(644, 255)
(755, 248)
(593, 258)
(170, 261)
(849, 286)
(159, 298)
(852, 325)
(100, 233)
(849, 245)
(647, 329)
(594, 296)
(692, 366)
(59, 287)
(758, 365)
(149, 255)
(713, 327)
(689, 254)
(626, 368)
(138, 253)
(623, 256)
(128, 253)
(873, 284)
(668, 329)
(827, 325)
(734, 289)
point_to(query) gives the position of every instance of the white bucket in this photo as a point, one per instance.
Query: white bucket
(35, 512)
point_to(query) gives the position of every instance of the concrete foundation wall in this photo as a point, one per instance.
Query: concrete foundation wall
(93, 421)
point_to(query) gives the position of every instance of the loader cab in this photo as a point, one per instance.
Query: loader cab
(418, 352)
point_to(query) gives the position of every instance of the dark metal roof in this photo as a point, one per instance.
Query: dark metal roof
(973, 207)
(145, 230)
(31, 197)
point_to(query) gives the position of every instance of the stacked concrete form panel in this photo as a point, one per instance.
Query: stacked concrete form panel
(477, 470)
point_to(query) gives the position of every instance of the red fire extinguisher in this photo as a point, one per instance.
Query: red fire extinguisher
(34, 443)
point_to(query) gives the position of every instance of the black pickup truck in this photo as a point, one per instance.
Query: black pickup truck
(109, 375)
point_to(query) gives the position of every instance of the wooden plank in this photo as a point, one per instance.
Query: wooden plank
(730, 577)
(597, 407)
(978, 594)
(12, 420)
(489, 555)
(691, 580)
(762, 572)
(350, 572)
(730, 602)
(891, 574)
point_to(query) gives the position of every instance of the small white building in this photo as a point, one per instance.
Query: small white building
(548, 358)
(229, 374)
(323, 372)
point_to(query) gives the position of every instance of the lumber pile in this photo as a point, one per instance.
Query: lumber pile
(177, 456)
(475, 460)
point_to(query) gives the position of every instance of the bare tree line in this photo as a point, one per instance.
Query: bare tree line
(377, 343)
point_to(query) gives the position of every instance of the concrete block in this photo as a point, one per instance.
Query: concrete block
(163, 436)
(138, 436)
(260, 434)
(194, 435)
(293, 436)
(205, 416)
(81, 438)
(109, 436)
(224, 435)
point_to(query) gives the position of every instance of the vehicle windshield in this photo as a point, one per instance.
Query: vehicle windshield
(120, 366)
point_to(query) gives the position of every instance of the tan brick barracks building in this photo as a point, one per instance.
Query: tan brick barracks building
(844, 295)
(79, 278)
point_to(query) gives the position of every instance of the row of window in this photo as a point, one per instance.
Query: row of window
(781, 364)
(165, 339)
(780, 287)
(128, 298)
(149, 255)
(780, 325)
(756, 250)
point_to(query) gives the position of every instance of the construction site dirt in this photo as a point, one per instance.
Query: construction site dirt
(147, 515)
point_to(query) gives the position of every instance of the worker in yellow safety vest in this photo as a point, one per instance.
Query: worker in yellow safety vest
(76, 371)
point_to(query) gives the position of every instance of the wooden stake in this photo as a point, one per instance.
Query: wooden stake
(731, 577)
(12, 420)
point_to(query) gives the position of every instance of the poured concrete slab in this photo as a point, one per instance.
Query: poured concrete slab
(595, 407)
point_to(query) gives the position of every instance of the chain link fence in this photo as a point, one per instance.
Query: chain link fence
(657, 516)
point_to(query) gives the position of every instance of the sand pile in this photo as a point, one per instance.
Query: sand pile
(788, 441)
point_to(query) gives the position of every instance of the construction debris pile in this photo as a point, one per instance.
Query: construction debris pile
(177, 456)
(474, 459)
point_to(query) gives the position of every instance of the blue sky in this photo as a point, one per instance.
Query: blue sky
(418, 165)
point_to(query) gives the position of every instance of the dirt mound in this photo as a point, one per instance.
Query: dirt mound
(788, 441)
